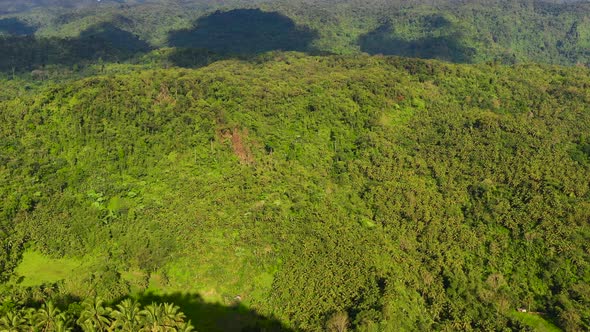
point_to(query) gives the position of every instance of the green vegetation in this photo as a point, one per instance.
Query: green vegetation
(536, 322)
(93, 315)
(249, 165)
(374, 193)
(458, 31)
(36, 269)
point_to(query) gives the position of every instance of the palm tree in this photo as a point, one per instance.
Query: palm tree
(30, 315)
(185, 327)
(152, 317)
(88, 326)
(126, 316)
(13, 322)
(62, 326)
(164, 318)
(48, 317)
(171, 315)
(95, 316)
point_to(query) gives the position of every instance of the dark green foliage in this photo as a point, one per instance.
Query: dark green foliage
(13, 26)
(214, 317)
(99, 43)
(244, 31)
(448, 47)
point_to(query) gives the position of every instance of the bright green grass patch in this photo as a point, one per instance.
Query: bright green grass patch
(37, 269)
(536, 321)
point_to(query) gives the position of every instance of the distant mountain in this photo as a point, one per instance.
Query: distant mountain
(10, 6)
(457, 31)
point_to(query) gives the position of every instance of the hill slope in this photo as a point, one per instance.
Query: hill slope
(457, 31)
(407, 194)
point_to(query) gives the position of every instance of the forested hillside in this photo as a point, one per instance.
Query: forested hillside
(303, 193)
(475, 31)
(294, 165)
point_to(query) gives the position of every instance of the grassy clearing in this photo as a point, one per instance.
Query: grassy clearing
(37, 269)
(536, 321)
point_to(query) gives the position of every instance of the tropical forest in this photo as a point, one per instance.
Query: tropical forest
(294, 165)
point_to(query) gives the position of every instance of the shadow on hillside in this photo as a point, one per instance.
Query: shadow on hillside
(194, 57)
(103, 41)
(448, 47)
(14, 26)
(114, 39)
(240, 32)
(215, 317)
